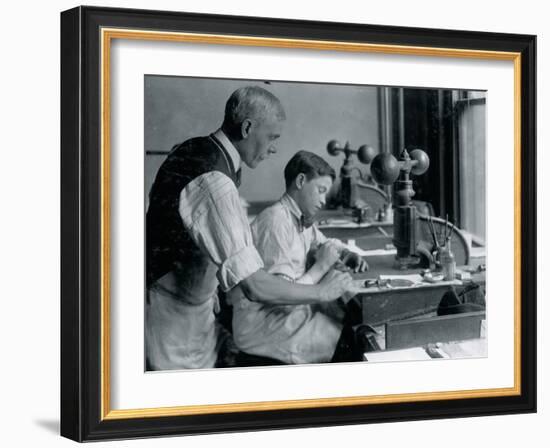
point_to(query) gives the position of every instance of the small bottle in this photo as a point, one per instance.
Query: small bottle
(381, 216)
(389, 212)
(448, 263)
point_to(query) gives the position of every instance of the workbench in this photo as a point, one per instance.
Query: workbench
(380, 305)
(405, 317)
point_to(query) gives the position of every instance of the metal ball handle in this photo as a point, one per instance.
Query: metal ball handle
(365, 153)
(334, 147)
(422, 162)
(385, 168)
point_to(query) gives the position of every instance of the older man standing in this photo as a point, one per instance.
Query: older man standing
(198, 236)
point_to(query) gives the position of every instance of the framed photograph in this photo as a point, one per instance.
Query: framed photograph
(277, 224)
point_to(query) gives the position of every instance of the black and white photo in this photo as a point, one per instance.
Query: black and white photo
(278, 224)
(298, 223)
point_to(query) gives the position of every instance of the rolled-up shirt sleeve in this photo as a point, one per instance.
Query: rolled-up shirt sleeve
(211, 211)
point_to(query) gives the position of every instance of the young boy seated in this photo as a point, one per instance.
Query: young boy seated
(284, 235)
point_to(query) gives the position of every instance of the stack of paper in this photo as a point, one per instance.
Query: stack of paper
(408, 354)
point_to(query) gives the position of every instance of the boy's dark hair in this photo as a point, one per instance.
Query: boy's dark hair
(308, 163)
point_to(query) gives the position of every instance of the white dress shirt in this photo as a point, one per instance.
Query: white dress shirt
(293, 334)
(181, 331)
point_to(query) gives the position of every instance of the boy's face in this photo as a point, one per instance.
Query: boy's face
(312, 194)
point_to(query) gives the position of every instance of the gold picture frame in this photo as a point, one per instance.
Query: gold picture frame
(87, 35)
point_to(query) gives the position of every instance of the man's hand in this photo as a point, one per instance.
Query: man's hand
(355, 261)
(334, 284)
(327, 255)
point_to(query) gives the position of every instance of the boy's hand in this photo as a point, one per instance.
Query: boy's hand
(327, 255)
(355, 262)
(334, 285)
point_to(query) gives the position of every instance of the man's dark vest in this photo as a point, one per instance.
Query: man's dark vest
(167, 241)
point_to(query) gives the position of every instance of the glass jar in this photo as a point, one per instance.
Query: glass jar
(448, 263)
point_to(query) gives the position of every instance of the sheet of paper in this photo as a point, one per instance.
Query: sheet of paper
(474, 348)
(415, 278)
(351, 245)
(373, 252)
(408, 354)
(342, 224)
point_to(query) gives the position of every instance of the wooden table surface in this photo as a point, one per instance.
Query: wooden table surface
(382, 304)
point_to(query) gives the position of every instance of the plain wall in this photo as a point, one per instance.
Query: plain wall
(178, 108)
